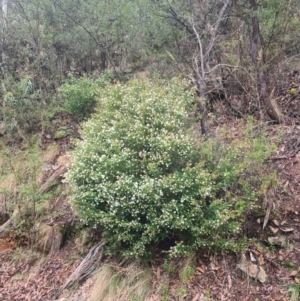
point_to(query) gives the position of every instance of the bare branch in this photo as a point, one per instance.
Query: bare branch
(214, 31)
(201, 54)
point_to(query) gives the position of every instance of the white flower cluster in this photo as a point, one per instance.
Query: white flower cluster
(140, 177)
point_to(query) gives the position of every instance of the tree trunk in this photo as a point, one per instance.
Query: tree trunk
(256, 55)
(201, 106)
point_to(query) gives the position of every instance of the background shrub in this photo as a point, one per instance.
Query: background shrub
(140, 176)
(80, 94)
(19, 107)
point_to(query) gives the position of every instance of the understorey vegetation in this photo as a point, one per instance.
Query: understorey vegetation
(150, 132)
(141, 176)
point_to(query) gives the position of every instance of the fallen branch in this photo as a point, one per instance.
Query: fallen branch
(53, 179)
(89, 264)
(9, 223)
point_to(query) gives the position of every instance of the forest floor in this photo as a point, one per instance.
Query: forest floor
(28, 274)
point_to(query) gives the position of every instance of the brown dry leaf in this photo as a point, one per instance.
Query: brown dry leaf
(273, 230)
(229, 282)
(216, 268)
(196, 298)
(201, 270)
(158, 273)
(286, 230)
(293, 273)
(261, 260)
(286, 184)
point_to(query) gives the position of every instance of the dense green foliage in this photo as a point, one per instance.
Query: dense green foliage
(20, 107)
(46, 41)
(140, 176)
(80, 94)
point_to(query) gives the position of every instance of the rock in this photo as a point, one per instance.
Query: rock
(46, 167)
(55, 167)
(277, 240)
(252, 270)
(252, 258)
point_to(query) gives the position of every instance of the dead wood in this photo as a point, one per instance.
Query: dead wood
(56, 176)
(270, 197)
(272, 108)
(89, 264)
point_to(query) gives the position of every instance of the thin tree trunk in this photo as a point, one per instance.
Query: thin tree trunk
(4, 24)
(256, 55)
(201, 64)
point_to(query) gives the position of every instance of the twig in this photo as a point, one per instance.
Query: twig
(279, 158)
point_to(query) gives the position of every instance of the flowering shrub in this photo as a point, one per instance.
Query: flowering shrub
(80, 94)
(140, 176)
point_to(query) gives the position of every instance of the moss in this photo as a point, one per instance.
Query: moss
(62, 132)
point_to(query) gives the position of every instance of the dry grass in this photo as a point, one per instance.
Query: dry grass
(8, 189)
(51, 153)
(132, 283)
(49, 239)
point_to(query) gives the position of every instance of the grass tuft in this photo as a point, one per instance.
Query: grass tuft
(132, 283)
